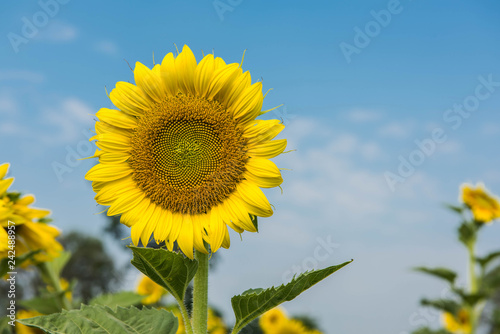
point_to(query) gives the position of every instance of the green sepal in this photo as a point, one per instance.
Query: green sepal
(442, 273)
(171, 270)
(97, 319)
(254, 302)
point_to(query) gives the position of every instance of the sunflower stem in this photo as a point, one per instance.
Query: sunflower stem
(473, 284)
(55, 282)
(185, 317)
(200, 294)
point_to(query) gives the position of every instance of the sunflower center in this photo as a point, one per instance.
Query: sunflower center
(188, 154)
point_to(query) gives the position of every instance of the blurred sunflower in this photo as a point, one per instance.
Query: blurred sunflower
(484, 206)
(22, 329)
(215, 323)
(153, 292)
(272, 319)
(183, 157)
(31, 231)
(457, 324)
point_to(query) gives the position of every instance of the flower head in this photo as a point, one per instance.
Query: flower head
(485, 207)
(31, 231)
(459, 323)
(152, 291)
(272, 319)
(183, 158)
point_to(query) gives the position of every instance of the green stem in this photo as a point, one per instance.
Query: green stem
(200, 295)
(185, 317)
(473, 283)
(55, 282)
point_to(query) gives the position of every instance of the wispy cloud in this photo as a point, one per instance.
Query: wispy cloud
(363, 115)
(8, 104)
(21, 75)
(58, 32)
(106, 47)
(396, 130)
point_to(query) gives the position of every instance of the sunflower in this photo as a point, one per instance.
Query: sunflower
(484, 206)
(152, 291)
(31, 231)
(272, 319)
(291, 327)
(457, 324)
(215, 324)
(183, 156)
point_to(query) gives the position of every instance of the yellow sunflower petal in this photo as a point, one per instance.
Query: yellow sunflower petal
(226, 242)
(254, 199)
(113, 142)
(117, 118)
(127, 201)
(4, 168)
(216, 229)
(185, 239)
(102, 172)
(248, 106)
(263, 173)
(203, 74)
(268, 149)
(148, 82)
(260, 131)
(239, 84)
(198, 227)
(5, 184)
(169, 75)
(222, 77)
(129, 99)
(185, 65)
(163, 225)
(240, 213)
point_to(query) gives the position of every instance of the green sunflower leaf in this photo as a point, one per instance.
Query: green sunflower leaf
(254, 302)
(484, 261)
(446, 305)
(171, 270)
(442, 273)
(122, 299)
(98, 319)
(467, 233)
(491, 281)
(46, 304)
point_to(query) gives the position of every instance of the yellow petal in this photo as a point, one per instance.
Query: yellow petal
(254, 199)
(4, 168)
(268, 149)
(203, 74)
(26, 200)
(5, 184)
(113, 142)
(240, 215)
(222, 77)
(249, 104)
(126, 201)
(185, 239)
(113, 157)
(260, 131)
(117, 118)
(239, 84)
(103, 172)
(227, 240)
(198, 227)
(148, 82)
(169, 75)
(164, 224)
(185, 65)
(150, 227)
(263, 173)
(129, 99)
(216, 229)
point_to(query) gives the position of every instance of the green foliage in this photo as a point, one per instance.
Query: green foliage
(486, 260)
(470, 299)
(100, 319)
(443, 273)
(122, 299)
(458, 209)
(467, 234)
(46, 304)
(5, 328)
(446, 305)
(254, 302)
(171, 270)
(491, 281)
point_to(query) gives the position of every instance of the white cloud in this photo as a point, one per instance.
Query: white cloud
(363, 115)
(57, 31)
(395, 130)
(106, 47)
(66, 120)
(21, 75)
(8, 104)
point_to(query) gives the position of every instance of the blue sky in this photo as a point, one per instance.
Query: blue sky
(351, 120)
